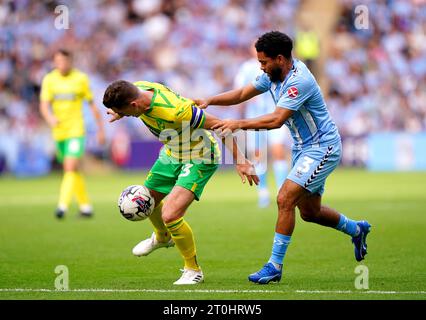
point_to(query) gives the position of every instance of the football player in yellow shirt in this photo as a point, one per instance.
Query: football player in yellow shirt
(62, 94)
(187, 161)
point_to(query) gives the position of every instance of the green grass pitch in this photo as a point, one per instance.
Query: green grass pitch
(233, 239)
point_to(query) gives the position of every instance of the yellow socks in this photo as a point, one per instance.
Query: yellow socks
(67, 189)
(160, 228)
(73, 183)
(183, 237)
(80, 190)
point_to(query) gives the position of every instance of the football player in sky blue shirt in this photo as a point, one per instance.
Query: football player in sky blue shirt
(316, 150)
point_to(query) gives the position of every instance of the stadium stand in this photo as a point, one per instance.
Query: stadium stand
(374, 79)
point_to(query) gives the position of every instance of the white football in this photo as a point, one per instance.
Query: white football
(136, 203)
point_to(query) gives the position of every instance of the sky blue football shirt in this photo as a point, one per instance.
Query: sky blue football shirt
(311, 124)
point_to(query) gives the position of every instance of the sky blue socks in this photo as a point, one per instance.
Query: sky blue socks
(279, 249)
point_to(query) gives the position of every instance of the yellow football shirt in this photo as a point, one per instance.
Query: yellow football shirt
(66, 95)
(177, 122)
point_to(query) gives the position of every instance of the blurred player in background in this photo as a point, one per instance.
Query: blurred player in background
(187, 161)
(258, 142)
(317, 149)
(62, 94)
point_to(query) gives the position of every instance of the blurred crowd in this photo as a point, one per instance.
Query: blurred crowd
(377, 67)
(377, 76)
(193, 46)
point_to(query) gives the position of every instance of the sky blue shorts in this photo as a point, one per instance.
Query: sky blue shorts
(311, 167)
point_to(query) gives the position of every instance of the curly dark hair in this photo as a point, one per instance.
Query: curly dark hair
(119, 94)
(274, 43)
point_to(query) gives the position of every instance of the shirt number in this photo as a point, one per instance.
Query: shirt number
(185, 170)
(305, 165)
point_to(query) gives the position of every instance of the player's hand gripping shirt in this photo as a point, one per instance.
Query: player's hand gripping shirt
(178, 123)
(311, 124)
(66, 95)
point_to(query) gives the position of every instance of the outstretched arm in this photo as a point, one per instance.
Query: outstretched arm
(229, 98)
(244, 167)
(268, 121)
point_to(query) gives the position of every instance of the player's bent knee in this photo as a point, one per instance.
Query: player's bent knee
(169, 216)
(71, 164)
(168, 219)
(285, 202)
(281, 199)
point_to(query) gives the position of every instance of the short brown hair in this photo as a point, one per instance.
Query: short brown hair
(119, 94)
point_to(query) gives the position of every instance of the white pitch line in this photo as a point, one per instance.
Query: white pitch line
(360, 291)
(211, 291)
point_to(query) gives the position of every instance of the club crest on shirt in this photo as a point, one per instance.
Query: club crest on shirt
(292, 92)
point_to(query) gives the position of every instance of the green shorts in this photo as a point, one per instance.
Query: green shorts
(167, 173)
(72, 147)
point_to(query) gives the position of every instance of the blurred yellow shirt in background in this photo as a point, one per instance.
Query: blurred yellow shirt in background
(66, 95)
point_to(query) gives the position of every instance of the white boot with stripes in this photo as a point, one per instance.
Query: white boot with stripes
(190, 276)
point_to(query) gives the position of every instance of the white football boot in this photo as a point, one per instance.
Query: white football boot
(146, 246)
(190, 276)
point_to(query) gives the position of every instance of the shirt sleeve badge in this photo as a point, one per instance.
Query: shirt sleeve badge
(292, 92)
